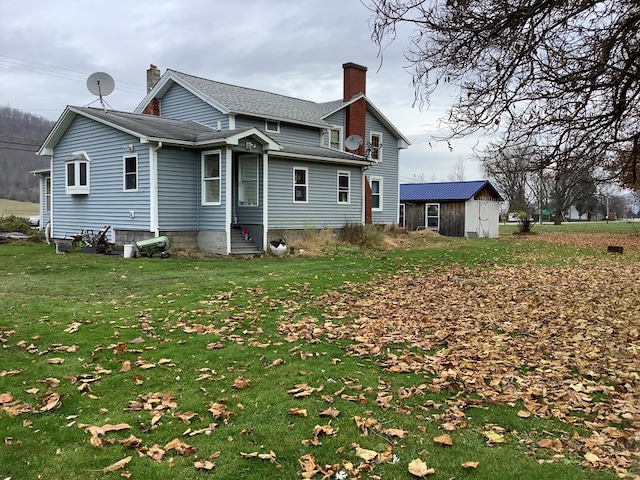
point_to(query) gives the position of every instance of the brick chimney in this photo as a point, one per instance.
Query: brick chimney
(355, 83)
(153, 76)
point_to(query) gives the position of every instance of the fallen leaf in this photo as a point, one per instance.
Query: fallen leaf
(444, 440)
(50, 401)
(206, 465)
(418, 468)
(240, 383)
(395, 432)
(470, 464)
(118, 465)
(366, 455)
(298, 412)
(55, 360)
(330, 412)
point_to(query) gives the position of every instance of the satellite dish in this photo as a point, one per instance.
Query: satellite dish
(100, 84)
(353, 142)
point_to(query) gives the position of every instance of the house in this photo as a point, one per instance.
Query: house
(454, 209)
(222, 167)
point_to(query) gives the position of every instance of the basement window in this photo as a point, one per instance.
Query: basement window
(77, 174)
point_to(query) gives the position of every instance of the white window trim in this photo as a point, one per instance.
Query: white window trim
(204, 178)
(348, 175)
(77, 189)
(124, 173)
(266, 126)
(381, 208)
(371, 135)
(306, 184)
(340, 138)
(426, 218)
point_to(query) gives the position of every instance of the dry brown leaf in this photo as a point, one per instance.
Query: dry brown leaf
(444, 440)
(205, 465)
(298, 412)
(395, 432)
(240, 383)
(55, 360)
(50, 401)
(470, 464)
(118, 465)
(366, 455)
(330, 412)
(418, 468)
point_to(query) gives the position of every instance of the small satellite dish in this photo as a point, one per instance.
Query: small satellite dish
(353, 142)
(100, 84)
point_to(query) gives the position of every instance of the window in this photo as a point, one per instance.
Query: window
(432, 214)
(211, 178)
(376, 194)
(300, 185)
(248, 180)
(272, 126)
(401, 215)
(47, 194)
(334, 139)
(131, 173)
(343, 187)
(77, 174)
(376, 146)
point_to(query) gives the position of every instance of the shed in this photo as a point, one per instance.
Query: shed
(454, 209)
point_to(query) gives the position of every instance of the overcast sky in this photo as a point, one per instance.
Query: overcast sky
(291, 47)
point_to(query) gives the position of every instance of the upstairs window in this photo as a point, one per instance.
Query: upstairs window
(334, 139)
(272, 126)
(375, 139)
(343, 187)
(77, 174)
(131, 173)
(211, 178)
(300, 184)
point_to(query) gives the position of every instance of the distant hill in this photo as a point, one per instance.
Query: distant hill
(21, 134)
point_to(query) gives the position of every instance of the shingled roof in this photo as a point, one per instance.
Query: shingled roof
(444, 191)
(249, 101)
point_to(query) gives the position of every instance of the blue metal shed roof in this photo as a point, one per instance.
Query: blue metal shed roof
(443, 191)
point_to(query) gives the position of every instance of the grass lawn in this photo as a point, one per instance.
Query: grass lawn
(439, 358)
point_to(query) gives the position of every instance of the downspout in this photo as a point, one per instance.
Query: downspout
(153, 190)
(265, 198)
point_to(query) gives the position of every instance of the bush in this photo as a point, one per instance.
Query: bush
(525, 222)
(367, 236)
(11, 223)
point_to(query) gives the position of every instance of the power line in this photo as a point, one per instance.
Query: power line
(59, 72)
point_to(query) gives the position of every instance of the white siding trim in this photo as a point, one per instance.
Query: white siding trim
(265, 198)
(227, 195)
(153, 189)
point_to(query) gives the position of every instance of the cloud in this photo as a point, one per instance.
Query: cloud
(292, 48)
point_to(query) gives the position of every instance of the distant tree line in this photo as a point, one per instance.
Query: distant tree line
(21, 134)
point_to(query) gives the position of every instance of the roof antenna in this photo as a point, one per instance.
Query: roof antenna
(101, 84)
(371, 149)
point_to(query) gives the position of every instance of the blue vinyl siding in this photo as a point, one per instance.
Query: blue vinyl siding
(337, 120)
(178, 188)
(106, 203)
(387, 169)
(289, 133)
(322, 209)
(213, 217)
(181, 104)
